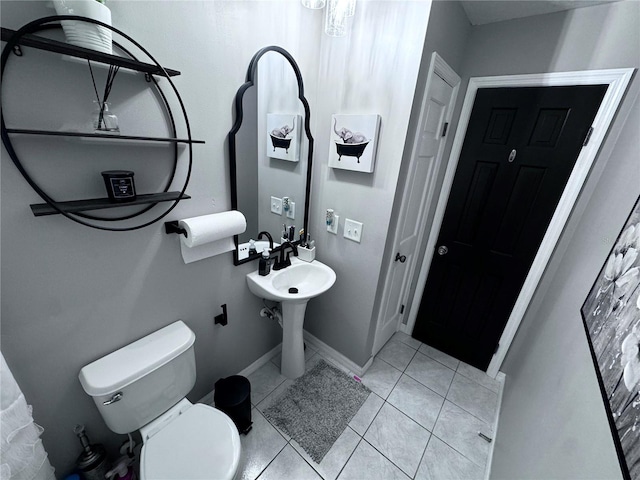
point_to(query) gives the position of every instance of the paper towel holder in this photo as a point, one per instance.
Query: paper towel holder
(174, 227)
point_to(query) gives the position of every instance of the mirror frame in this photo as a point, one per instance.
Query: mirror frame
(250, 82)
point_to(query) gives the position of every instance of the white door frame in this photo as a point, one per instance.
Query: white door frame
(617, 79)
(439, 67)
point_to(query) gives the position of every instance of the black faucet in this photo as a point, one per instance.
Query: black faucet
(268, 235)
(284, 262)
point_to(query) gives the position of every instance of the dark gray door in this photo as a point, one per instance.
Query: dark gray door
(520, 148)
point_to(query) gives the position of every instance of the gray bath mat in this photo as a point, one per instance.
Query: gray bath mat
(317, 408)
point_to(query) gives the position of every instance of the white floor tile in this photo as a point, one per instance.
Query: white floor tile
(397, 442)
(474, 398)
(381, 377)
(264, 381)
(407, 340)
(439, 356)
(459, 429)
(398, 438)
(441, 462)
(397, 354)
(430, 373)
(289, 465)
(367, 463)
(417, 401)
(361, 421)
(479, 376)
(336, 458)
(259, 447)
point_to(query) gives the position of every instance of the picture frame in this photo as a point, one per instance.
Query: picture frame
(283, 136)
(611, 318)
(353, 142)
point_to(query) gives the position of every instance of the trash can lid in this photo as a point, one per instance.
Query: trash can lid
(231, 390)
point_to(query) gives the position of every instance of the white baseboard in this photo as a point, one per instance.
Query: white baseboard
(261, 361)
(337, 356)
(208, 398)
(501, 377)
(315, 342)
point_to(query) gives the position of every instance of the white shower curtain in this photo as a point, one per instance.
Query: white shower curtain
(22, 455)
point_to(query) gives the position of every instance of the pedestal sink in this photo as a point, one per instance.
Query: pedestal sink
(293, 287)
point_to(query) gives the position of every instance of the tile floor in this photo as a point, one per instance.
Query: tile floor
(420, 422)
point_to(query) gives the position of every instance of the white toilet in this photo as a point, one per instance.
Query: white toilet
(143, 386)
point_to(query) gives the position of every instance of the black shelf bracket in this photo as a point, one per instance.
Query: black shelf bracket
(174, 227)
(222, 318)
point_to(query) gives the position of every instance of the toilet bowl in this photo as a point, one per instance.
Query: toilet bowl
(201, 442)
(142, 386)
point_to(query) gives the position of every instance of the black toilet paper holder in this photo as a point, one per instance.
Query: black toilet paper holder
(222, 318)
(174, 227)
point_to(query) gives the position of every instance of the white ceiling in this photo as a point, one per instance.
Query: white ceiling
(481, 12)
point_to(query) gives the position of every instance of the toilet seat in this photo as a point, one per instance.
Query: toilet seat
(201, 443)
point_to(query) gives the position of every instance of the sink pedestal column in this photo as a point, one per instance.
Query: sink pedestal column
(292, 365)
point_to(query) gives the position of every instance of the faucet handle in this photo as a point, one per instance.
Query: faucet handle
(277, 264)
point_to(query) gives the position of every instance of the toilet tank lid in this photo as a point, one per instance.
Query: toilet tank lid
(124, 366)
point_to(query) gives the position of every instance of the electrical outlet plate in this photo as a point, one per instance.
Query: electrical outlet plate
(291, 213)
(276, 205)
(352, 230)
(333, 228)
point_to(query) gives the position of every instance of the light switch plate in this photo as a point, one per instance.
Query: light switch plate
(352, 230)
(333, 228)
(276, 205)
(291, 213)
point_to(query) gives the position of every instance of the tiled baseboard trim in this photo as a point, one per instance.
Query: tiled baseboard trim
(501, 377)
(315, 342)
(337, 356)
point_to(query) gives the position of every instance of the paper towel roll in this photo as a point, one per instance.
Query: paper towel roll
(210, 235)
(210, 228)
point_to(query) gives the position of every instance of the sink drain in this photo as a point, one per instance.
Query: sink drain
(293, 290)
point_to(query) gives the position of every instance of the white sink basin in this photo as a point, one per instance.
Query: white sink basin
(310, 280)
(292, 287)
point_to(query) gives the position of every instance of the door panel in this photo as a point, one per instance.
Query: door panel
(437, 107)
(515, 217)
(476, 201)
(519, 150)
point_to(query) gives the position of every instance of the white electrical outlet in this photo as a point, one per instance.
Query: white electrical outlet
(291, 213)
(352, 230)
(276, 205)
(333, 228)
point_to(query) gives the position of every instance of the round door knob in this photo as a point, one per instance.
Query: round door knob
(402, 258)
(442, 250)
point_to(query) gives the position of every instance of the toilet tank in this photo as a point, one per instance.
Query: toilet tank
(139, 382)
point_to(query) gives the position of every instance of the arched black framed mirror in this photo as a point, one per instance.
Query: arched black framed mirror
(269, 156)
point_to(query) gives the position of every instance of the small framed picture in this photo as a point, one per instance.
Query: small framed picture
(354, 140)
(283, 136)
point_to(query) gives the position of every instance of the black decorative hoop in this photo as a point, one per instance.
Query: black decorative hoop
(41, 24)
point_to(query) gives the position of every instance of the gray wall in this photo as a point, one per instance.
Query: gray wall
(71, 294)
(371, 71)
(552, 423)
(447, 34)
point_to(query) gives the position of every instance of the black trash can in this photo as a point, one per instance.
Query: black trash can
(232, 395)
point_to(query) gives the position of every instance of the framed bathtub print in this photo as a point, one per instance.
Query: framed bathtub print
(283, 136)
(354, 139)
(611, 316)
